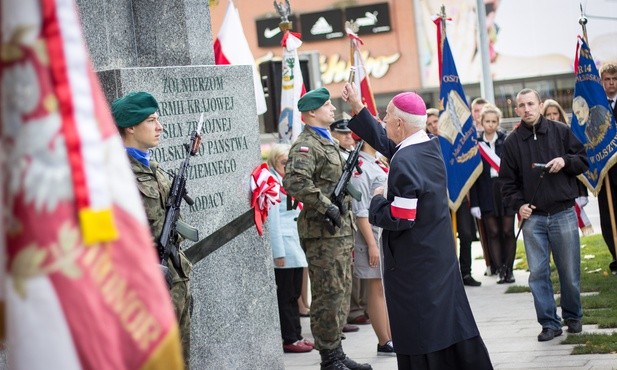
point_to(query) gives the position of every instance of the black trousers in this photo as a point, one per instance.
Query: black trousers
(470, 354)
(288, 289)
(605, 220)
(466, 229)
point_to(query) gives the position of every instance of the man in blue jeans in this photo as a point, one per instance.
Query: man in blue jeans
(539, 165)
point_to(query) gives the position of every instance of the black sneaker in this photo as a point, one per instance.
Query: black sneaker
(470, 281)
(574, 326)
(548, 334)
(387, 349)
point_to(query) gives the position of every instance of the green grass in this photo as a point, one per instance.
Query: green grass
(592, 343)
(599, 308)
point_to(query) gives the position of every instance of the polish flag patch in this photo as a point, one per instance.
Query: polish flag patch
(303, 149)
(404, 208)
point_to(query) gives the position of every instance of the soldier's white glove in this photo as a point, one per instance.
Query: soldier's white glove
(475, 212)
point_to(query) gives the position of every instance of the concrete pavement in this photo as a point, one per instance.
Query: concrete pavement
(507, 323)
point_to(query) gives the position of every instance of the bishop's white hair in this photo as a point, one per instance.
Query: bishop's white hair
(411, 120)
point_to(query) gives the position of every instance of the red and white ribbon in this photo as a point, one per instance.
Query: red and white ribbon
(583, 221)
(404, 208)
(266, 193)
(489, 155)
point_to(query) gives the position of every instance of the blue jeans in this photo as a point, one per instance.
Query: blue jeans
(557, 233)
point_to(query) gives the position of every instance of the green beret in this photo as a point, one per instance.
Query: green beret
(133, 109)
(313, 99)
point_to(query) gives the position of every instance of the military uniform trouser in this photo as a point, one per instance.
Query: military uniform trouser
(183, 307)
(329, 263)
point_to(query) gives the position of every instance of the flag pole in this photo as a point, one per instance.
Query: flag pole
(582, 20)
(351, 28)
(442, 17)
(441, 37)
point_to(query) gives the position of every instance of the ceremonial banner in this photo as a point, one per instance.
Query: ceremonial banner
(81, 283)
(361, 79)
(290, 120)
(231, 47)
(457, 133)
(593, 122)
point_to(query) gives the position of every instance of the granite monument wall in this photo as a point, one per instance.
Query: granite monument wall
(165, 48)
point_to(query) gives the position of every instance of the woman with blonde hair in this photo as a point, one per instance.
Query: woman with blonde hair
(289, 258)
(554, 112)
(486, 200)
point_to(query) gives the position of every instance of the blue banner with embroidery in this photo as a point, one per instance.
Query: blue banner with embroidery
(593, 122)
(457, 133)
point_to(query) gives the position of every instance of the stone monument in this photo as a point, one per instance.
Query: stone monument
(165, 48)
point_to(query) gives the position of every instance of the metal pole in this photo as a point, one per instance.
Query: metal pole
(533, 198)
(486, 83)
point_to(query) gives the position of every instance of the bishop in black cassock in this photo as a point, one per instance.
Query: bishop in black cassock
(431, 320)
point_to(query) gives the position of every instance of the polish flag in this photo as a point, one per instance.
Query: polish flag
(361, 80)
(231, 47)
(80, 286)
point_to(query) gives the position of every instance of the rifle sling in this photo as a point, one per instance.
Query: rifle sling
(220, 237)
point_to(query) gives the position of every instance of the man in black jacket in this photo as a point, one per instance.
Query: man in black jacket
(539, 165)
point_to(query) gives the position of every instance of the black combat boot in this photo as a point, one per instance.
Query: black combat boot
(330, 360)
(509, 276)
(502, 275)
(349, 363)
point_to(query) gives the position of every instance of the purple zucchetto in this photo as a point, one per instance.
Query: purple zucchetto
(410, 102)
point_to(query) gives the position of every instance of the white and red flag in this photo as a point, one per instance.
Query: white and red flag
(231, 47)
(292, 88)
(361, 79)
(265, 190)
(80, 285)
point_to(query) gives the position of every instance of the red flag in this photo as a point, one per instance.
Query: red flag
(231, 47)
(81, 285)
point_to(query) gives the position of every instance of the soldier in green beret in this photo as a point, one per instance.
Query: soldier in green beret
(137, 118)
(312, 171)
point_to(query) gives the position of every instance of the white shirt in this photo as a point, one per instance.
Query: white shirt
(491, 144)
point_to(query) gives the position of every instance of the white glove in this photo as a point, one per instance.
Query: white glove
(475, 212)
(582, 201)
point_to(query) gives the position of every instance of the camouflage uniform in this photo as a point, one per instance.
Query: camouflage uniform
(154, 186)
(311, 173)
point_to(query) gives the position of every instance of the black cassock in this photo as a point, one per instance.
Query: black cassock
(430, 317)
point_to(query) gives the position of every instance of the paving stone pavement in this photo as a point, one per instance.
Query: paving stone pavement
(507, 323)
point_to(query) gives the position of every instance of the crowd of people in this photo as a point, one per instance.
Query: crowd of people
(388, 258)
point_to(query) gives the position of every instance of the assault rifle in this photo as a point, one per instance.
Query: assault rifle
(169, 244)
(343, 187)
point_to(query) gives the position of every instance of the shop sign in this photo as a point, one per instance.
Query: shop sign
(371, 19)
(321, 26)
(268, 31)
